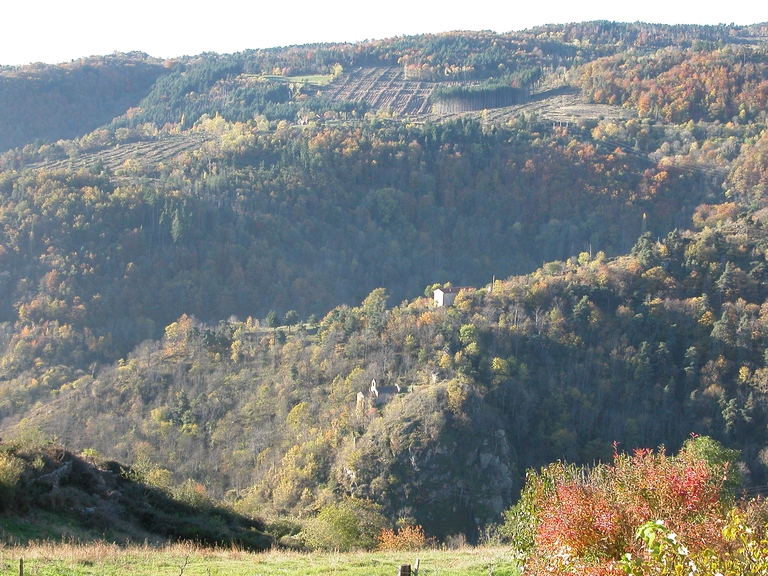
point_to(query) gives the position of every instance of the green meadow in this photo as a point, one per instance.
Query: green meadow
(106, 559)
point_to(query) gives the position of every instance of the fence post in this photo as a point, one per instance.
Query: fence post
(416, 568)
(405, 570)
(21, 566)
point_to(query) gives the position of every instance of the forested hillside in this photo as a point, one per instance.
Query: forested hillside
(148, 262)
(305, 219)
(48, 103)
(642, 350)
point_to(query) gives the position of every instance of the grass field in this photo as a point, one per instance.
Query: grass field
(314, 79)
(48, 559)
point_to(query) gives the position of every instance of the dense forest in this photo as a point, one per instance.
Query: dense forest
(307, 218)
(203, 270)
(46, 103)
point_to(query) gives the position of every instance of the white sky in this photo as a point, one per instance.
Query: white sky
(60, 30)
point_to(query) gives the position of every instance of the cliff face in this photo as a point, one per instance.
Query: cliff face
(435, 454)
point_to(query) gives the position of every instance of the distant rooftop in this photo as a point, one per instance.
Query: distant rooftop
(453, 289)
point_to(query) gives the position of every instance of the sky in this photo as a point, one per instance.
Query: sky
(54, 31)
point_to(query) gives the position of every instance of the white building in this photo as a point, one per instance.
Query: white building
(446, 296)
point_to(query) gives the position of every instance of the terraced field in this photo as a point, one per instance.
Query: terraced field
(145, 153)
(385, 88)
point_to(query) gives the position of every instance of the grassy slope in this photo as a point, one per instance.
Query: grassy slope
(50, 526)
(49, 494)
(108, 559)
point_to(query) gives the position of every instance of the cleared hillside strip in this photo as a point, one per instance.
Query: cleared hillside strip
(386, 89)
(145, 153)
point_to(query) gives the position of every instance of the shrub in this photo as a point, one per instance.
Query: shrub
(11, 469)
(193, 494)
(348, 525)
(743, 551)
(583, 520)
(404, 538)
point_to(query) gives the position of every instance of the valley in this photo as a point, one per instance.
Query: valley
(216, 293)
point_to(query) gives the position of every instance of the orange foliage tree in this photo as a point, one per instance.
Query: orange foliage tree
(405, 538)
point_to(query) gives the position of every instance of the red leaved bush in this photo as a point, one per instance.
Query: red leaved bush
(586, 519)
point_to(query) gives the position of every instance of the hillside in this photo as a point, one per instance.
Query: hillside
(253, 219)
(612, 177)
(50, 493)
(642, 350)
(49, 103)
